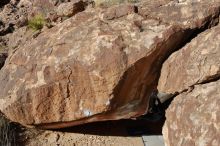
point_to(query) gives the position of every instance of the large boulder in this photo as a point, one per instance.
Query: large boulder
(197, 62)
(194, 74)
(92, 68)
(193, 117)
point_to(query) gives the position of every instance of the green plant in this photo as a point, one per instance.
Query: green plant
(37, 22)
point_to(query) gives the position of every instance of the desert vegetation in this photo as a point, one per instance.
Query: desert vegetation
(1, 48)
(37, 22)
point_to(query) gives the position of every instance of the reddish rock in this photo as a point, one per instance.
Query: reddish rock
(70, 8)
(197, 62)
(12, 17)
(18, 37)
(193, 72)
(187, 14)
(193, 119)
(89, 68)
(119, 11)
(69, 77)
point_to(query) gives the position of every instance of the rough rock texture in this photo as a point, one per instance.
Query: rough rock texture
(193, 119)
(101, 64)
(197, 62)
(20, 37)
(118, 11)
(71, 8)
(186, 14)
(194, 73)
(15, 14)
(13, 17)
(79, 78)
(54, 8)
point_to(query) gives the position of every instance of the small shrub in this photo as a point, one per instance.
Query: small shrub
(3, 48)
(37, 22)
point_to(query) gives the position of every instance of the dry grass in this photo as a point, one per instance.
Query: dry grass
(37, 22)
(1, 48)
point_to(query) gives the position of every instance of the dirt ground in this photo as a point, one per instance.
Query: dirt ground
(111, 133)
(75, 139)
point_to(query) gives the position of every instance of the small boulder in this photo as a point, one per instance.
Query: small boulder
(70, 8)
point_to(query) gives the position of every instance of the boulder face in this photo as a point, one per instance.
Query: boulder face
(197, 62)
(187, 14)
(101, 64)
(193, 117)
(193, 73)
(71, 8)
(83, 68)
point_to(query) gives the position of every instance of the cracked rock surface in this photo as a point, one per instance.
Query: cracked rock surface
(193, 72)
(100, 64)
(193, 117)
(197, 62)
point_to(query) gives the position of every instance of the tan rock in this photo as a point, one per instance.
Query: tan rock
(70, 8)
(19, 37)
(89, 68)
(194, 72)
(188, 14)
(13, 17)
(119, 11)
(193, 119)
(197, 62)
